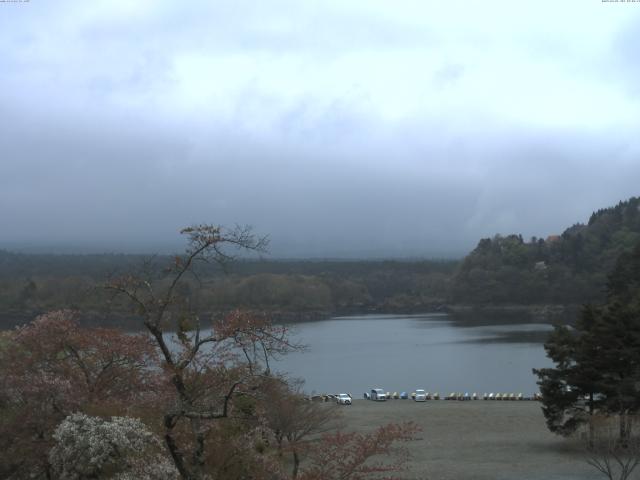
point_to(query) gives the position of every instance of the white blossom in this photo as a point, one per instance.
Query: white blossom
(120, 449)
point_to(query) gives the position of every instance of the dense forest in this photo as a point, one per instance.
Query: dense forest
(567, 269)
(31, 284)
(570, 268)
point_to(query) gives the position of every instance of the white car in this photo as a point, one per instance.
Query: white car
(343, 399)
(421, 396)
(378, 394)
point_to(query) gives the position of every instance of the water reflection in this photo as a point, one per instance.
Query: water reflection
(404, 352)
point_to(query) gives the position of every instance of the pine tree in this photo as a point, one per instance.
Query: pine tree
(598, 361)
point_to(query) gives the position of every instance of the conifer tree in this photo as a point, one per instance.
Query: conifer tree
(598, 361)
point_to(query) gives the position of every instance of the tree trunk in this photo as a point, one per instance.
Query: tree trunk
(178, 460)
(624, 429)
(198, 454)
(279, 437)
(591, 425)
(296, 464)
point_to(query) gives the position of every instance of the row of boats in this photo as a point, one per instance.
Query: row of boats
(422, 395)
(489, 396)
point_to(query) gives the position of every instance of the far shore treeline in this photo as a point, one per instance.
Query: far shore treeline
(507, 273)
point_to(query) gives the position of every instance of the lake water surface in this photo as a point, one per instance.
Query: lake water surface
(404, 352)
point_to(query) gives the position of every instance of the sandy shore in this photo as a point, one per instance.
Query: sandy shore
(477, 440)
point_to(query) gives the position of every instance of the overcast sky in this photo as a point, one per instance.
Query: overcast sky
(340, 128)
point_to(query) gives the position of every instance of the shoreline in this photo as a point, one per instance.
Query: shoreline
(462, 313)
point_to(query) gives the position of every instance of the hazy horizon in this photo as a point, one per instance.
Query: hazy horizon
(177, 246)
(340, 129)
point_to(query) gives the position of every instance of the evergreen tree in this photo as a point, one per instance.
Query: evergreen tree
(597, 361)
(571, 390)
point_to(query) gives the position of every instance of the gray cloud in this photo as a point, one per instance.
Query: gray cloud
(340, 130)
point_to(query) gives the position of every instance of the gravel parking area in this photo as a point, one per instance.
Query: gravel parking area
(490, 440)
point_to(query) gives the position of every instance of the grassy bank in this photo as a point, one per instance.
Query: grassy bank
(477, 440)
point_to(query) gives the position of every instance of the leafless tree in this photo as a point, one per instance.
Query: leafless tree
(294, 420)
(615, 457)
(210, 368)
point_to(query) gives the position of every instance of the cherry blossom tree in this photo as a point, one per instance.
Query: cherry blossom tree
(209, 369)
(208, 393)
(360, 456)
(51, 368)
(294, 421)
(122, 448)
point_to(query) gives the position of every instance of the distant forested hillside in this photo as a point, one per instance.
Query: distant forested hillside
(31, 284)
(567, 269)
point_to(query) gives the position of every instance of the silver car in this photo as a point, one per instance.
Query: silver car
(378, 394)
(420, 396)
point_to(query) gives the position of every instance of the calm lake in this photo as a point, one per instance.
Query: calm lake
(404, 352)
